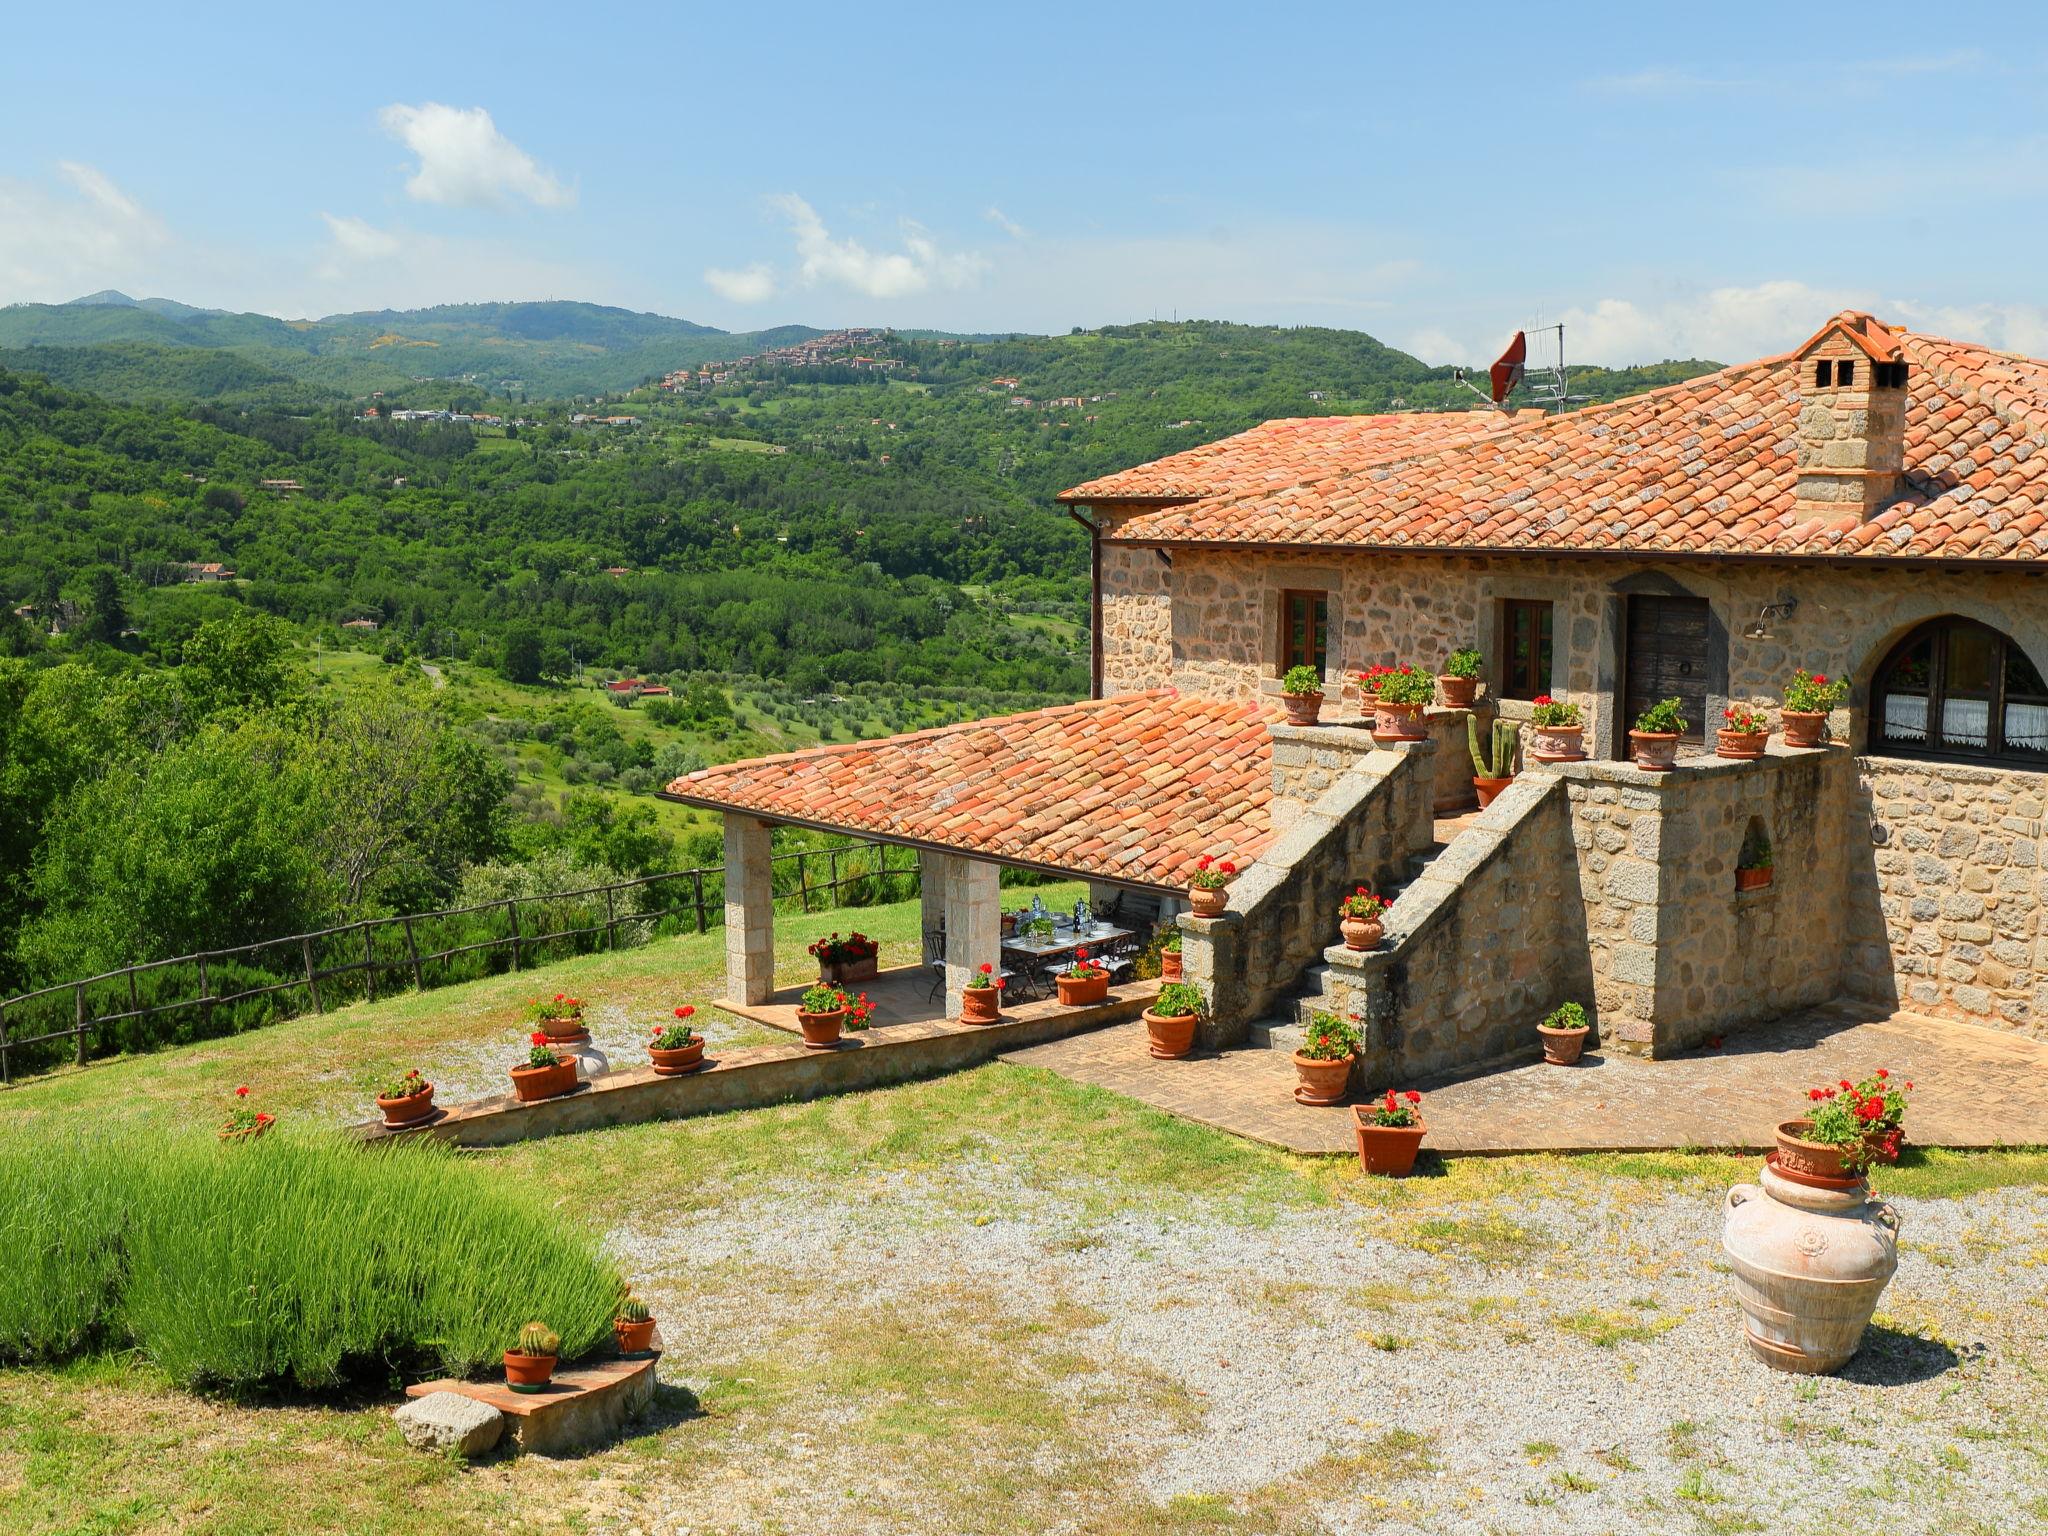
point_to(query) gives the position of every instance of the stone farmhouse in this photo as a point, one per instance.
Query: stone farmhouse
(1872, 505)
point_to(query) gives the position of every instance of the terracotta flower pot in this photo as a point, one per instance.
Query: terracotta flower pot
(1740, 744)
(1387, 1149)
(1556, 744)
(1303, 708)
(1562, 1047)
(571, 1028)
(821, 1030)
(528, 1373)
(1811, 1180)
(1752, 879)
(533, 1084)
(1398, 722)
(676, 1063)
(1169, 965)
(865, 969)
(1169, 1036)
(1458, 691)
(410, 1109)
(1810, 1263)
(1321, 1082)
(1489, 790)
(1208, 901)
(1656, 751)
(1796, 1155)
(634, 1338)
(1804, 728)
(981, 1005)
(1362, 932)
(247, 1133)
(1080, 993)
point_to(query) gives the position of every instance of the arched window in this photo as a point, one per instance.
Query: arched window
(1956, 688)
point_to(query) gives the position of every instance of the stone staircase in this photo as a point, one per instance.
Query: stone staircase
(1285, 1031)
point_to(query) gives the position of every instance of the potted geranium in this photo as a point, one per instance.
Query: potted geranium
(406, 1101)
(559, 1017)
(1359, 918)
(1460, 677)
(1655, 736)
(244, 1123)
(1169, 957)
(676, 1048)
(1753, 864)
(1170, 1021)
(530, 1363)
(546, 1074)
(1390, 1133)
(821, 1014)
(1323, 1064)
(858, 1013)
(1847, 1128)
(853, 958)
(1564, 1034)
(1400, 695)
(1083, 983)
(1206, 893)
(634, 1326)
(1742, 733)
(981, 1000)
(1555, 730)
(1809, 699)
(1301, 690)
(1494, 769)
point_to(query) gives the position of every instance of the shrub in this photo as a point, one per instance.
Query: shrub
(1568, 1016)
(404, 1087)
(287, 1262)
(1330, 1037)
(1662, 719)
(1302, 680)
(1463, 662)
(824, 999)
(1179, 997)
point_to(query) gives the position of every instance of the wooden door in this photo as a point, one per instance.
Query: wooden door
(1666, 659)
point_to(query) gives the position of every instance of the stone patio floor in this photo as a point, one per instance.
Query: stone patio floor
(1973, 1087)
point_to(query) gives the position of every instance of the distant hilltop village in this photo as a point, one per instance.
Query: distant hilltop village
(835, 349)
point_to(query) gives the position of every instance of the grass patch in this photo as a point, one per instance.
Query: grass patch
(1488, 1239)
(1605, 1329)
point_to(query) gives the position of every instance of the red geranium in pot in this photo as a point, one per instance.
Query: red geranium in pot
(853, 958)
(981, 1000)
(1207, 886)
(1390, 1133)
(1322, 1067)
(821, 1014)
(1743, 732)
(1171, 1020)
(1083, 983)
(1809, 699)
(1847, 1128)
(1556, 731)
(1400, 697)
(244, 1123)
(546, 1074)
(1360, 918)
(559, 1017)
(676, 1048)
(407, 1101)
(1656, 735)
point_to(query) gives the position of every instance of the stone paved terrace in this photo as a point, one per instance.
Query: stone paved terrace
(1973, 1087)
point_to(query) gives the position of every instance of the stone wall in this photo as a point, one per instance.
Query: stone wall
(1137, 620)
(1948, 892)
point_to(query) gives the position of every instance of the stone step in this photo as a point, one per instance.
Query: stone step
(1278, 1034)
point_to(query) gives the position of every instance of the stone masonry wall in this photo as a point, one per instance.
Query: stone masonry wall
(1949, 897)
(1137, 620)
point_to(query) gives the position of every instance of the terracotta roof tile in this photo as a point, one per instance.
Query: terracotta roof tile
(1132, 788)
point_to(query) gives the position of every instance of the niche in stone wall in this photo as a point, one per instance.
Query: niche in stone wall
(1753, 860)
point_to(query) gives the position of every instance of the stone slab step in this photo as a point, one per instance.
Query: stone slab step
(1278, 1034)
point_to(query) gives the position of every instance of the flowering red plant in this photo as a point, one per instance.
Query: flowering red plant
(1812, 693)
(1364, 902)
(559, 1009)
(542, 1054)
(677, 1036)
(859, 1011)
(1397, 685)
(241, 1118)
(1212, 873)
(1865, 1119)
(1395, 1110)
(1546, 713)
(1742, 718)
(1084, 969)
(837, 951)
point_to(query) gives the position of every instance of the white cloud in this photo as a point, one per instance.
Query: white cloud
(847, 263)
(466, 162)
(746, 285)
(358, 240)
(1004, 222)
(58, 242)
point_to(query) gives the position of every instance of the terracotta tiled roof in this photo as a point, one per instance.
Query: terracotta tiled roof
(1132, 788)
(1704, 467)
(1280, 452)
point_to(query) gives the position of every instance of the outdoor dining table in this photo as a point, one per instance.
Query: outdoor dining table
(1065, 937)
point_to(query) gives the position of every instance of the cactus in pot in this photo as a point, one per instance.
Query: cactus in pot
(1493, 769)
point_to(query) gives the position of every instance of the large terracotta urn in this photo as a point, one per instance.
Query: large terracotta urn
(1811, 1259)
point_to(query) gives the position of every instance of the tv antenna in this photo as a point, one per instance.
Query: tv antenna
(1547, 381)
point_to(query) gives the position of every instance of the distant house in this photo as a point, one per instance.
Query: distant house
(631, 687)
(281, 486)
(618, 570)
(656, 691)
(364, 625)
(210, 570)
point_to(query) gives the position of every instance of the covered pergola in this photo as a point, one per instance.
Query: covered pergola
(1126, 791)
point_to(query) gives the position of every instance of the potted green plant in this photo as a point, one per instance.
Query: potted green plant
(981, 1000)
(676, 1048)
(530, 1363)
(821, 1015)
(1169, 957)
(1390, 1133)
(1743, 732)
(559, 1017)
(545, 1074)
(1207, 885)
(1494, 769)
(1460, 677)
(1083, 983)
(1753, 864)
(1847, 1128)
(1564, 1034)
(845, 961)
(1655, 736)
(1170, 1021)
(1809, 699)
(634, 1326)
(1301, 690)
(1361, 918)
(1322, 1067)
(1400, 697)
(406, 1101)
(1556, 730)
(243, 1122)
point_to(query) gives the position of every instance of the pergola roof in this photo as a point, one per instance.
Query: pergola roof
(1131, 789)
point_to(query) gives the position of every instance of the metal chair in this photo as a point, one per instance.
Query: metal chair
(935, 960)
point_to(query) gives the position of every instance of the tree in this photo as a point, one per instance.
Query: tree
(243, 661)
(106, 616)
(523, 655)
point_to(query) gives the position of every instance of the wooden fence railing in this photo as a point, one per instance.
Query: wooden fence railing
(223, 990)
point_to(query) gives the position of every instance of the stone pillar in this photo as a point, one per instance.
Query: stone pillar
(974, 926)
(931, 889)
(749, 911)
(1212, 960)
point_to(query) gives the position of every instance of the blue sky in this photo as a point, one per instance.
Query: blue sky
(1682, 180)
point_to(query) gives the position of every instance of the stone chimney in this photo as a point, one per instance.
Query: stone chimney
(1852, 419)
